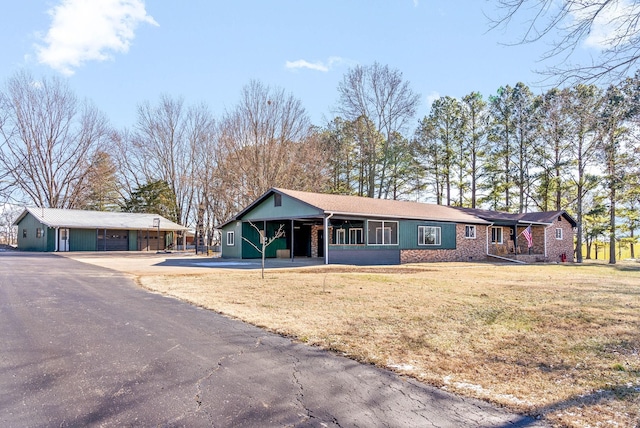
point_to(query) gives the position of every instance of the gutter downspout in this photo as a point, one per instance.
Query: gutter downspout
(326, 238)
(56, 238)
(488, 232)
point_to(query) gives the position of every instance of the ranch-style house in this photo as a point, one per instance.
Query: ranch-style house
(366, 231)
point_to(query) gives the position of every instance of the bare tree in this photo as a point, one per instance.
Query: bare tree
(381, 95)
(265, 141)
(169, 144)
(47, 138)
(609, 25)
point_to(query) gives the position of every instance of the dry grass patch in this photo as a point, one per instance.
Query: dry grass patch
(558, 340)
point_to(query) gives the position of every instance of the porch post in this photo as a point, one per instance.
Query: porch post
(326, 240)
(292, 239)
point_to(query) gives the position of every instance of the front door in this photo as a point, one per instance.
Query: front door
(63, 239)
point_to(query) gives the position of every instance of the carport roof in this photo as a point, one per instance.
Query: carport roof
(82, 219)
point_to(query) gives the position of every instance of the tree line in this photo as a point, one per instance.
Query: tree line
(572, 148)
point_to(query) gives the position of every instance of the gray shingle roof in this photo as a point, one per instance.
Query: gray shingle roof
(81, 219)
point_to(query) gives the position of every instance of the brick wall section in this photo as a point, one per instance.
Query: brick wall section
(314, 240)
(466, 249)
(556, 247)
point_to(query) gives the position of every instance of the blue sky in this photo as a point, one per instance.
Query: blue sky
(120, 53)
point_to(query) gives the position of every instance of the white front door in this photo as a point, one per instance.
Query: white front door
(63, 239)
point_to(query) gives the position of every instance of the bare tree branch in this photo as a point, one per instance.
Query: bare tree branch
(609, 26)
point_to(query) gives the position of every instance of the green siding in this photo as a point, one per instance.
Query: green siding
(133, 240)
(289, 208)
(232, 251)
(31, 242)
(409, 235)
(82, 240)
(51, 239)
(250, 233)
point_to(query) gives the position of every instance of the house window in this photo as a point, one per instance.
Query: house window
(558, 233)
(277, 200)
(355, 236)
(341, 236)
(470, 232)
(496, 235)
(24, 233)
(231, 239)
(428, 235)
(38, 232)
(382, 232)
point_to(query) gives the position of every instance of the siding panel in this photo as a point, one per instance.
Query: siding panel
(364, 257)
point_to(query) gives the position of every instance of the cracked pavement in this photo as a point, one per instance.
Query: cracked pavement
(82, 345)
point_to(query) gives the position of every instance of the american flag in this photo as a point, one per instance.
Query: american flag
(527, 235)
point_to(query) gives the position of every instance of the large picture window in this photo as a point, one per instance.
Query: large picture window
(429, 235)
(496, 235)
(382, 232)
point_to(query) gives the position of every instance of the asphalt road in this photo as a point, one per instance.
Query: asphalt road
(82, 345)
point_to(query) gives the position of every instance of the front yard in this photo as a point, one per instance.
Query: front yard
(561, 341)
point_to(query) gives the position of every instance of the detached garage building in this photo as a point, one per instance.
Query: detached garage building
(54, 229)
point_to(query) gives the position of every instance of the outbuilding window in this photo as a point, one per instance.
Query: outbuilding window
(231, 239)
(24, 233)
(558, 233)
(38, 232)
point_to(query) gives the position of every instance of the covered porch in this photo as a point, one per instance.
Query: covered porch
(509, 240)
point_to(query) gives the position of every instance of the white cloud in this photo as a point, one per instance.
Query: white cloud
(432, 97)
(323, 66)
(90, 30)
(609, 26)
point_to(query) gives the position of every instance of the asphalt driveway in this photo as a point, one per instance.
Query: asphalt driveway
(82, 345)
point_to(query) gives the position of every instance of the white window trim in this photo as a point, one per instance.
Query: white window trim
(438, 236)
(501, 235)
(231, 239)
(383, 224)
(470, 227)
(341, 236)
(559, 235)
(353, 239)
